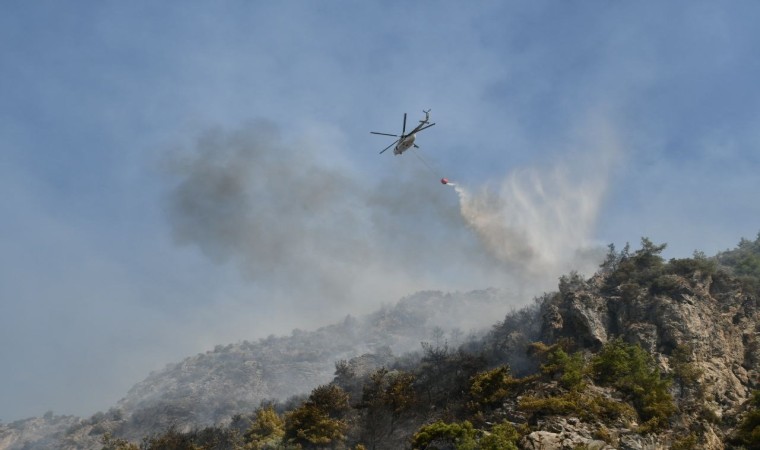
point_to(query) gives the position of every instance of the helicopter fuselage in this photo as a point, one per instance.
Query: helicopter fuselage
(404, 144)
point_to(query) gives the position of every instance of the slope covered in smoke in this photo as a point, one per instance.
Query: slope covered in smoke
(234, 379)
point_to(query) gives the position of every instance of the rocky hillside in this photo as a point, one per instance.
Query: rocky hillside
(701, 325)
(37, 432)
(212, 387)
(710, 315)
(644, 354)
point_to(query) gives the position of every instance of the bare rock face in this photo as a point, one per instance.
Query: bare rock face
(564, 433)
(718, 323)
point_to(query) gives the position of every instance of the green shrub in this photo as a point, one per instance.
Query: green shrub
(589, 407)
(461, 435)
(266, 431)
(666, 284)
(640, 268)
(688, 266)
(560, 405)
(690, 442)
(632, 371)
(310, 426)
(331, 399)
(503, 436)
(744, 262)
(570, 369)
(318, 422)
(573, 371)
(464, 436)
(491, 387)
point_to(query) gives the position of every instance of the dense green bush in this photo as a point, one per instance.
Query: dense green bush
(632, 370)
(464, 436)
(744, 259)
(318, 421)
(461, 435)
(687, 266)
(587, 406)
(311, 427)
(547, 406)
(667, 284)
(491, 387)
(266, 431)
(569, 369)
(744, 263)
(640, 268)
(502, 436)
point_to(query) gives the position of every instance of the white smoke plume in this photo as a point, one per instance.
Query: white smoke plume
(540, 223)
(535, 223)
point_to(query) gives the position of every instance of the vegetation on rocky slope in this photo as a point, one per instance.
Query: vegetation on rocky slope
(628, 358)
(646, 353)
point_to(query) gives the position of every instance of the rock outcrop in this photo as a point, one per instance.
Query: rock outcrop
(683, 365)
(711, 319)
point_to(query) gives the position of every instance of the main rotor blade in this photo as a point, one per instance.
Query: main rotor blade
(425, 127)
(386, 148)
(384, 134)
(403, 130)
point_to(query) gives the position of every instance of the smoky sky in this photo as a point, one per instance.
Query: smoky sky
(298, 221)
(295, 220)
(248, 197)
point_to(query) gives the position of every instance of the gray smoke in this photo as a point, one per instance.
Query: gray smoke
(539, 223)
(299, 225)
(245, 196)
(536, 223)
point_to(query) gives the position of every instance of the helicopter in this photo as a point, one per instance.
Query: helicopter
(406, 140)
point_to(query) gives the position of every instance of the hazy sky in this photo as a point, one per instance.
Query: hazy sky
(177, 175)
